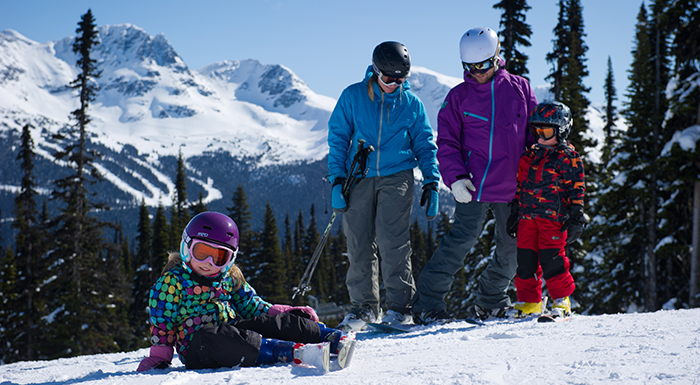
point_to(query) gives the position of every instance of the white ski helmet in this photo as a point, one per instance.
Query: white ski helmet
(478, 45)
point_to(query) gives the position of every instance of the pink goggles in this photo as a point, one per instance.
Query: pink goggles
(204, 251)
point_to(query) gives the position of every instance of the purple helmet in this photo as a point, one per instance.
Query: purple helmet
(213, 227)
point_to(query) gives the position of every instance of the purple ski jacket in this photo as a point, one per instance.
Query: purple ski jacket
(482, 131)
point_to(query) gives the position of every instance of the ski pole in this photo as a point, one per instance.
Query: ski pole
(357, 168)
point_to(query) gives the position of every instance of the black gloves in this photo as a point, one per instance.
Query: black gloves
(513, 220)
(574, 224)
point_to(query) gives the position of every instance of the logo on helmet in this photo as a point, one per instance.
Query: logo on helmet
(203, 235)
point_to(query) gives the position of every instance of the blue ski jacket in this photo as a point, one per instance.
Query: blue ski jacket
(395, 124)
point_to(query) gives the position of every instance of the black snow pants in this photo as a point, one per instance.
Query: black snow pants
(238, 343)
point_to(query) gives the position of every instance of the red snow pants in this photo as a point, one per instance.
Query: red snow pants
(541, 255)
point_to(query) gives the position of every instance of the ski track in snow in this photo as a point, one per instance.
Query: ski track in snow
(649, 348)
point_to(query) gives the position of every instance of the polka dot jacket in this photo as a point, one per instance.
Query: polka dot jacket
(182, 302)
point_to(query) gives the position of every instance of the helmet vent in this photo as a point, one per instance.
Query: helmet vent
(230, 234)
(207, 227)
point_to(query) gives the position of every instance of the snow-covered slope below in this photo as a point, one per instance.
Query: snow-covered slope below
(651, 348)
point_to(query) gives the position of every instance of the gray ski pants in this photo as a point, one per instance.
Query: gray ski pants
(377, 223)
(435, 280)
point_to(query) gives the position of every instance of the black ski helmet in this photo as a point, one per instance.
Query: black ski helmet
(552, 113)
(392, 59)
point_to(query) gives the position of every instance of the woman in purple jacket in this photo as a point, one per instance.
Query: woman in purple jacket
(482, 131)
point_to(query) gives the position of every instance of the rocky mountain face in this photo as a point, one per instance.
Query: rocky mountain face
(234, 122)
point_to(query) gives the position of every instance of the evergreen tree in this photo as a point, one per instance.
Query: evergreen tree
(680, 164)
(9, 305)
(240, 213)
(200, 206)
(610, 112)
(270, 282)
(301, 255)
(180, 213)
(559, 52)
(147, 271)
(160, 241)
(627, 206)
(318, 283)
(81, 297)
(30, 244)
(288, 253)
(514, 32)
(572, 87)
(419, 257)
(337, 256)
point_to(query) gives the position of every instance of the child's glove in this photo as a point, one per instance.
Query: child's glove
(301, 311)
(513, 220)
(460, 189)
(430, 195)
(160, 358)
(574, 224)
(337, 198)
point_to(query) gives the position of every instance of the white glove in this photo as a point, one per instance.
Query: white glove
(460, 189)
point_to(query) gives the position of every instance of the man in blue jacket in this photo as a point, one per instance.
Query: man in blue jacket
(382, 111)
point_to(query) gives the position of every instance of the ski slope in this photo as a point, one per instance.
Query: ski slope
(640, 348)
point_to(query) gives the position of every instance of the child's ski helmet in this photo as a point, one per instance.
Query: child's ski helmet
(213, 227)
(392, 59)
(557, 114)
(478, 45)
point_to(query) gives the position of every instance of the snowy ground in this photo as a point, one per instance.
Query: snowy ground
(652, 348)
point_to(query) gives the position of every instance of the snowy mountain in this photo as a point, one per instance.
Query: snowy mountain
(651, 348)
(235, 122)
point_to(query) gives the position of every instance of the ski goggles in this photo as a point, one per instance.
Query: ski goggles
(204, 251)
(544, 132)
(481, 67)
(390, 82)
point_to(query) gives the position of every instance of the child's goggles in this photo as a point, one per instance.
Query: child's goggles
(544, 132)
(217, 255)
(479, 68)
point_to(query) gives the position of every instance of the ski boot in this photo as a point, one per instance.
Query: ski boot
(561, 307)
(341, 344)
(527, 309)
(273, 351)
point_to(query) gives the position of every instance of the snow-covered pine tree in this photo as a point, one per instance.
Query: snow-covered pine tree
(514, 32)
(240, 213)
(146, 271)
(160, 240)
(30, 246)
(679, 230)
(180, 212)
(82, 318)
(270, 281)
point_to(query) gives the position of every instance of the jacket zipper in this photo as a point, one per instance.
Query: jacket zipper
(493, 118)
(379, 138)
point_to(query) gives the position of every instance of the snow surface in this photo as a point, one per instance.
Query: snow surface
(640, 348)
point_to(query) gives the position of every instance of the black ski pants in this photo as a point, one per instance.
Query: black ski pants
(238, 343)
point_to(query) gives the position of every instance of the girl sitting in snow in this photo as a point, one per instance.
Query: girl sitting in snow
(203, 306)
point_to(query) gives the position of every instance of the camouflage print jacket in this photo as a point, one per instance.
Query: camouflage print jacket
(182, 302)
(550, 180)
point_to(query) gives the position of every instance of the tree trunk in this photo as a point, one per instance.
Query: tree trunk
(694, 300)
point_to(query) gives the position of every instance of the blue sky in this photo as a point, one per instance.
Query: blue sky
(328, 44)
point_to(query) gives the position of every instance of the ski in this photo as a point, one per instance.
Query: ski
(394, 329)
(544, 318)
